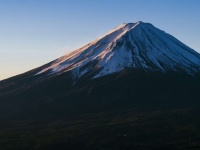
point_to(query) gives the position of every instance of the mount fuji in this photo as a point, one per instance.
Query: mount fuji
(136, 87)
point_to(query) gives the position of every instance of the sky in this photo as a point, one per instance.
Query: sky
(35, 32)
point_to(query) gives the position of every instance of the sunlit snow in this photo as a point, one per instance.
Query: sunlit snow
(136, 45)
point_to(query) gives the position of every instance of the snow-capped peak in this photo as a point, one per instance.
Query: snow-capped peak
(135, 45)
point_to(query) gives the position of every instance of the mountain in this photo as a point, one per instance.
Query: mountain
(136, 87)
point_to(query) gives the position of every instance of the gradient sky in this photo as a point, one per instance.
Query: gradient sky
(34, 32)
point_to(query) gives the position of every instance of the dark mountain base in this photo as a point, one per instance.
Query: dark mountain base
(129, 110)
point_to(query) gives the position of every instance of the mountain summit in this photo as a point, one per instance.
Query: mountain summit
(130, 45)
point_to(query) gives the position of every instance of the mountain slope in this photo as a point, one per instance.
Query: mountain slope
(131, 45)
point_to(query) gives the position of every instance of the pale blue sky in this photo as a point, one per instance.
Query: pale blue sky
(34, 32)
